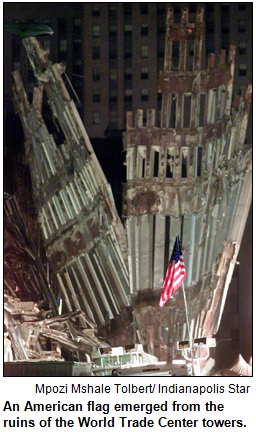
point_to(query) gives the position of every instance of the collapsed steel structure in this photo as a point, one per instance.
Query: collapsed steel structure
(190, 176)
(82, 232)
(35, 327)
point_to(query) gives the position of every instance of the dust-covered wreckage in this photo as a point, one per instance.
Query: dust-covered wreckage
(191, 175)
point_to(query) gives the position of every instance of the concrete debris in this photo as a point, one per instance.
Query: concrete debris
(35, 334)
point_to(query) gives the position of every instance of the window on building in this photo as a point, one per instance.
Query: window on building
(144, 30)
(144, 94)
(77, 22)
(63, 45)
(144, 8)
(96, 74)
(242, 48)
(128, 54)
(113, 53)
(170, 156)
(198, 161)
(201, 110)
(225, 27)
(144, 51)
(77, 49)
(190, 55)
(127, 8)
(184, 161)
(128, 45)
(113, 74)
(175, 55)
(154, 161)
(128, 74)
(144, 72)
(112, 96)
(96, 97)
(128, 95)
(112, 29)
(113, 117)
(241, 26)
(96, 9)
(160, 29)
(242, 69)
(77, 34)
(127, 107)
(128, 28)
(141, 161)
(186, 110)
(96, 53)
(96, 117)
(112, 10)
(77, 67)
(96, 31)
(172, 111)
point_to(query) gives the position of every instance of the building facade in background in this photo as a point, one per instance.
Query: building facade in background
(114, 52)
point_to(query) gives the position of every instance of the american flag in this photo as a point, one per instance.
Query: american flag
(175, 275)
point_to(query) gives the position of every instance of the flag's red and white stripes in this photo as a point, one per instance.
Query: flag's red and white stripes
(175, 275)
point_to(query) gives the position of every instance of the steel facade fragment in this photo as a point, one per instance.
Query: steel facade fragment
(185, 177)
(83, 234)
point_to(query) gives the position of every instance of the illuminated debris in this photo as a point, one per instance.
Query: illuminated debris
(83, 235)
(190, 176)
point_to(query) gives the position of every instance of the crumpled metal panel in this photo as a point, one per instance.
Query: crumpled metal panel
(75, 204)
(159, 250)
(32, 331)
(144, 250)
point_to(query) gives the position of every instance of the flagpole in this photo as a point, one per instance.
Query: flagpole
(189, 333)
